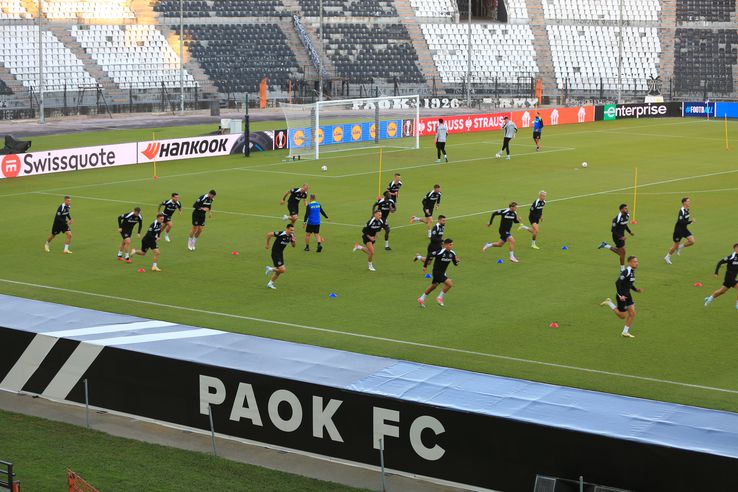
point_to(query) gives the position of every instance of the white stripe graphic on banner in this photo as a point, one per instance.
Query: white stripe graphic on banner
(155, 337)
(32, 357)
(104, 329)
(72, 370)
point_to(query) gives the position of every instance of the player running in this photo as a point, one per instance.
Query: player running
(619, 227)
(386, 205)
(730, 276)
(436, 240)
(509, 130)
(442, 258)
(681, 231)
(62, 221)
(508, 217)
(441, 134)
(293, 203)
(202, 206)
(537, 129)
(126, 223)
(170, 206)
(369, 234)
(430, 201)
(394, 188)
(311, 223)
(149, 241)
(625, 308)
(281, 240)
(535, 216)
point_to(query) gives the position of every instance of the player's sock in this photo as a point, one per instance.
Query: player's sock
(512, 255)
(127, 256)
(440, 296)
(154, 265)
(66, 247)
(417, 257)
(422, 297)
(429, 233)
(626, 329)
(611, 305)
(524, 228)
(486, 246)
(708, 300)
(533, 243)
(120, 253)
(386, 244)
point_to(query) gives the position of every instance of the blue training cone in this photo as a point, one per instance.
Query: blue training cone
(332, 295)
(565, 248)
(499, 262)
(427, 275)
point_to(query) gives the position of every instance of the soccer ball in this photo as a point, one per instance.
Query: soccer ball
(584, 164)
(497, 156)
(324, 168)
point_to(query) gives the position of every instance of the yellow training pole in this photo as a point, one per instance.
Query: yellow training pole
(379, 177)
(153, 137)
(725, 118)
(635, 197)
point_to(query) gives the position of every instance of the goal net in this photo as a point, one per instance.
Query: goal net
(349, 124)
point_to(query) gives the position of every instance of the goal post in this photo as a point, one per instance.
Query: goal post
(350, 124)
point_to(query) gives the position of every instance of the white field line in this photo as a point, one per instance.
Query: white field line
(685, 193)
(596, 193)
(217, 211)
(377, 338)
(65, 189)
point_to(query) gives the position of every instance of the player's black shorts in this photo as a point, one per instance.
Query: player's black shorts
(394, 198)
(624, 305)
(125, 234)
(198, 217)
(293, 209)
(148, 243)
(277, 259)
(312, 229)
(504, 236)
(433, 247)
(167, 218)
(730, 280)
(428, 211)
(59, 228)
(619, 241)
(536, 135)
(439, 279)
(367, 239)
(534, 218)
(681, 233)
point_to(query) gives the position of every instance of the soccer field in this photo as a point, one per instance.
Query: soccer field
(496, 318)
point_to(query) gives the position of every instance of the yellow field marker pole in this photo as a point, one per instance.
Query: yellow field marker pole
(635, 197)
(379, 177)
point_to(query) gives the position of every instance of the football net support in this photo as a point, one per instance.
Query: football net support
(350, 124)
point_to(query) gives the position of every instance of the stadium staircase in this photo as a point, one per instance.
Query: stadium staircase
(293, 7)
(303, 60)
(667, 30)
(113, 93)
(20, 93)
(541, 44)
(406, 13)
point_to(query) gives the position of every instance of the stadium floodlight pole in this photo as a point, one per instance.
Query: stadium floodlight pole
(320, 55)
(181, 57)
(620, 52)
(42, 117)
(469, 57)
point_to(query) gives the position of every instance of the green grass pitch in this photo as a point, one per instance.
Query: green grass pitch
(496, 318)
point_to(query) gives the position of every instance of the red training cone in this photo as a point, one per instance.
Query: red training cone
(140, 270)
(698, 284)
(553, 325)
(235, 253)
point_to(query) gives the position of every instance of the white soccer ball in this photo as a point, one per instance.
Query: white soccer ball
(584, 164)
(497, 156)
(324, 168)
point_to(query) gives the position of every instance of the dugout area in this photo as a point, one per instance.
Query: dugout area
(446, 425)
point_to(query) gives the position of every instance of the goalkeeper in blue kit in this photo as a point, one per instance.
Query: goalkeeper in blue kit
(537, 129)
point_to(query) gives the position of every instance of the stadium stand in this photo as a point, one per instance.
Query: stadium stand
(362, 53)
(237, 57)
(586, 57)
(435, 8)
(19, 53)
(135, 56)
(609, 10)
(88, 9)
(223, 8)
(191, 8)
(502, 52)
(13, 9)
(705, 10)
(344, 8)
(517, 11)
(704, 60)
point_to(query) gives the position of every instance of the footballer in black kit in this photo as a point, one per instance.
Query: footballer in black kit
(282, 239)
(126, 223)
(731, 276)
(203, 206)
(394, 188)
(508, 217)
(386, 206)
(681, 231)
(369, 236)
(441, 260)
(170, 206)
(625, 308)
(62, 221)
(436, 240)
(293, 202)
(618, 229)
(535, 217)
(150, 241)
(431, 200)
